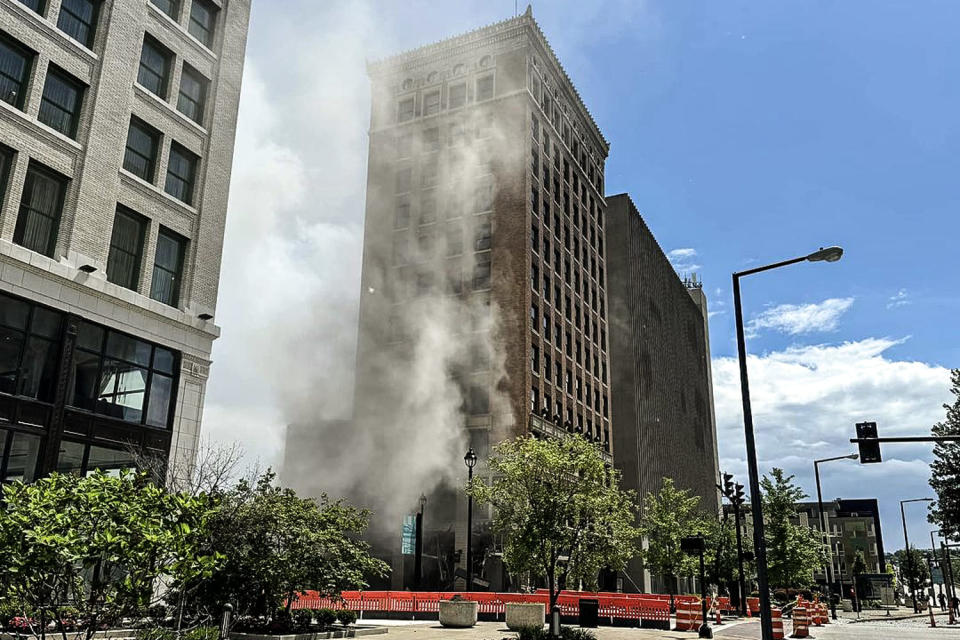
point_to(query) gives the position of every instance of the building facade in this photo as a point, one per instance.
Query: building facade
(485, 215)
(117, 126)
(663, 419)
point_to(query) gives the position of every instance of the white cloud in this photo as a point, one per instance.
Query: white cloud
(900, 299)
(683, 260)
(795, 319)
(806, 401)
(676, 254)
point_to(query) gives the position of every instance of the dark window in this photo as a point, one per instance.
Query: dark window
(482, 239)
(203, 18)
(61, 102)
(6, 160)
(40, 207)
(19, 453)
(126, 249)
(481, 273)
(29, 349)
(402, 218)
(168, 267)
(406, 111)
(169, 7)
(78, 19)
(431, 103)
(193, 94)
(484, 88)
(123, 377)
(15, 61)
(154, 67)
(181, 172)
(39, 7)
(478, 400)
(140, 158)
(458, 95)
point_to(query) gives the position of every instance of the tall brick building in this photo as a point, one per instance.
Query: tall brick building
(663, 420)
(117, 125)
(485, 202)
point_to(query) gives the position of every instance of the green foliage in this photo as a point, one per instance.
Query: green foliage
(859, 564)
(668, 516)
(945, 468)
(793, 551)
(721, 553)
(94, 548)
(566, 633)
(556, 498)
(277, 544)
(325, 617)
(346, 617)
(156, 633)
(913, 568)
(303, 617)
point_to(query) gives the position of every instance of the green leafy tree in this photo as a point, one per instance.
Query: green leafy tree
(793, 551)
(559, 509)
(945, 468)
(859, 564)
(94, 549)
(721, 552)
(276, 544)
(914, 571)
(669, 515)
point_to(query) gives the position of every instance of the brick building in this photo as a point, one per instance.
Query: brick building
(117, 125)
(485, 209)
(663, 419)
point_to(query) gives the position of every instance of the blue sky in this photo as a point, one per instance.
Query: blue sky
(746, 133)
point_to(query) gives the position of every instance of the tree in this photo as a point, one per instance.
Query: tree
(859, 565)
(721, 552)
(95, 548)
(914, 571)
(945, 468)
(277, 544)
(793, 551)
(668, 516)
(559, 509)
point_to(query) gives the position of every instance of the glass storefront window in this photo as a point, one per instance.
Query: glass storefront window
(21, 459)
(29, 348)
(122, 389)
(71, 457)
(110, 461)
(11, 344)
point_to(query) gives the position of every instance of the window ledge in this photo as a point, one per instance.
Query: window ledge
(176, 26)
(54, 137)
(39, 21)
(146, 187)
(168, 108)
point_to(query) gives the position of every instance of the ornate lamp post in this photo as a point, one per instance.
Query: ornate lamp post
(471, 461)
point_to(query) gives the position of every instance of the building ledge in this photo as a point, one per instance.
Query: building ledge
(545, 426)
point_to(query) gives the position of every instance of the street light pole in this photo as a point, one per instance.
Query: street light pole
(418, 548)
(823, 528)
(906, 544)
(741, 583)
(471, 461)
(831, 254)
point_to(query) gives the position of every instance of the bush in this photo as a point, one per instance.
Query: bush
(346, 617)
(325, 617)
(566, 633)
(303, 618)
(156, 634)
(202, 633)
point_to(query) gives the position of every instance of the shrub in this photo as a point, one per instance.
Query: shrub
(303, 617)
(346, 617)
(325, 617)
(566, 633)
(156, 634)
(282, 622)
(532, 633)
(202, 633)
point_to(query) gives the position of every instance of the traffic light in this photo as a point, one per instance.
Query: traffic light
(728, 485)
(869, 451)
(738, 494)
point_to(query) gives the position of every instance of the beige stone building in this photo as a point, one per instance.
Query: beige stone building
(117, 126)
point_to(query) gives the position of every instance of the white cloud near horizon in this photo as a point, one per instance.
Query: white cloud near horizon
(899, 299)
(684, 260)
(796, 319)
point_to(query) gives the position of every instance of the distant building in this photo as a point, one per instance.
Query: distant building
(663, 418)
(117, 126)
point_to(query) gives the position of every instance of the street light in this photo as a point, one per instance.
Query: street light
(830, 254)
(418, 550)
(471, 461)
(823, 526)
(906, 544)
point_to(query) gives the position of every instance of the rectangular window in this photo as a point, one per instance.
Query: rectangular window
(126, 249)
(38, 6)
(458, 95)
(203, 18)
(482, 238)
(405, 111)
(6, 160)
(484, 88)
(403, 179)
(15, 62)
(402, 217)
(169, 7)
(535, 359)
(78, 19)
(534, 399)
(547, 366)
(181, 173)
(168, 267)
(40, 208)
(154, 71)
(140, 157)
(481, 273)
(61, 101)
(193, 94)
(534, 277)
(454, 240)
(431, 103)
(405, 145)
(431, 139)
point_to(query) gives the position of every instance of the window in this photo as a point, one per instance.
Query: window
(40, 207)
(78, 19)
(534, 277)
(193, 94)
(458, 95)
(431, 139)
(478, 400)
(546, 328)
(140, 157)
(126, 248)
(168, 267)
(547, 366)
(482, 239)
(402, 218)
(122, 377)
(181, 173)
(203, 17)
(38, 6)
(534, 317)
(405, 145)
(18, 459)
(534, 399)
(6, 160)
(15, 61)
(29, 350)
(154, 67)
(428, 210)
(169, 7)
(431, 103)
(535, 238)
(430, 172)
(454, 240)
(405, 111)
(484, 88)
(481, 273)
(535, 359)
(60, 105)
(404, 179)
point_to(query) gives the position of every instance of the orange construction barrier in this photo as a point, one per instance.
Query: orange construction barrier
(777, 616)
(685, 616)
(801, 622)
(753, 606)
